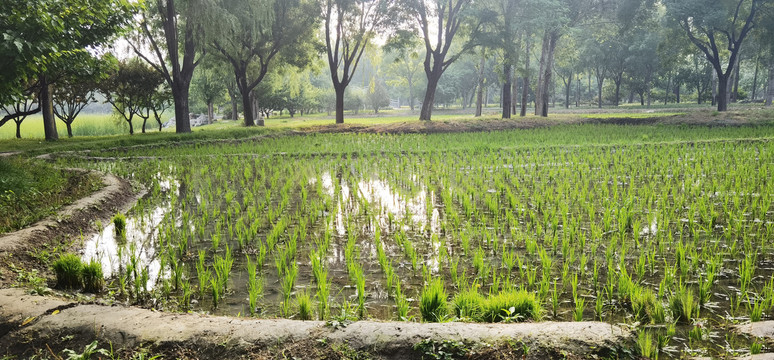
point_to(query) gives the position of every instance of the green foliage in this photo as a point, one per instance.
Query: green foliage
(441, 350)
(119, 223)
(68, 270)
(468, 304)
(93, 278)
(432, 304)
(510, 303)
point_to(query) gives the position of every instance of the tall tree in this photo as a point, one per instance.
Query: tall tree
(40, 37)
(715, 26)
(174, 30)
(257, 33)
(349, 27)
(438, 23)
(130, 90)
(406, 62)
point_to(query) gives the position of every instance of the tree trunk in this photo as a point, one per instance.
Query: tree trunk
(677, 92)
(668, 86)
(525, 82)
(507, 91)
(480, 90)
(567, 89)
(182, 118)
(340, 104)
(714, 88)
(411, 93)
(69, 129)
(723, 90)
(47, 108)
(18, 130)
(247, 108)
(234, 106)
(131, 125)
(770, 91)
(550, 39)
(258, 117)
(600, 83)
(514, 94)
(427, 104)
(144, 121)
(755, 81)
(617, 82)
(210, 112)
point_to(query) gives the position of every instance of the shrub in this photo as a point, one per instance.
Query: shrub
(68, 271)
(93, 279)
(432, 304)
(510, 304)
(468, 304)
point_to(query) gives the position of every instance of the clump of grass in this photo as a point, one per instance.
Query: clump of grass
(511, 303)
(683, 305)
(93, 278)
(119, 222)
(432, 305)
(68, 270)
(304, 302)
(468, 304)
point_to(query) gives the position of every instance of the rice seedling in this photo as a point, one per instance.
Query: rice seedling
(646, 345)
(68, 270)
(119, 223)
(433, 304)
(683, 305)
(93, 278)
(518, 303)
(304, 302)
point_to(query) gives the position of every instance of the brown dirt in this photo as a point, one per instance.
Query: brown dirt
(17, 249)
(32, 322)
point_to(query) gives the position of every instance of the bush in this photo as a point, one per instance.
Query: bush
(93, 279)
(511, 304)
(68, 270)
(432, 304)
(468, 304)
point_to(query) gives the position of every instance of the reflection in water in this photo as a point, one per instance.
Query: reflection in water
(113, 252)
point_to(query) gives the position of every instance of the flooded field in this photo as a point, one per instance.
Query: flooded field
(674, 239)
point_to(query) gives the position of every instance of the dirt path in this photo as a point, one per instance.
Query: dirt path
(29, 322)
(17, 249)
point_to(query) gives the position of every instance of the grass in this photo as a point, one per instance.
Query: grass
(93, 278)
(31, 190)
(433, 305)
(518, 304)
(68, 269)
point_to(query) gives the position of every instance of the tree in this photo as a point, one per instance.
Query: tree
(70, 97)
(130, 91)
(174, 30)
(256, 33)
(715, 25)
(406, 62)
(208, 85)
(438, 23)
(377, 95)
(41, 36)
(23, 106)
(349, 27)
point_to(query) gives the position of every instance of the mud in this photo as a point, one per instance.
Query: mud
(30, 322)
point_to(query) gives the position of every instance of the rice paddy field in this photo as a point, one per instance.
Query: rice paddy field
(666, 229)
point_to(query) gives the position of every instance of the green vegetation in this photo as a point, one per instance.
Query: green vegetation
(68, 269)
(644, 225)
(30, 190)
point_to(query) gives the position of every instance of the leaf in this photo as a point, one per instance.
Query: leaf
(55, 312)
(28, 320)
(18, 44)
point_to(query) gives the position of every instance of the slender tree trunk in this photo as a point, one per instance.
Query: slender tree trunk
(648, 77)
(735, 93)
(210, 112)
(770, 91)
(131, 125)
(567, 89)
(507, 92)
(617, 82)
(411, 92)
(600, 83)
(714, 82)
(340, 104)
(550, 38)
(427, 104)
(677, 91)
(631, 96)
(18, 130)
(668, 86)
(525, 82)
(144, 121)
(755, 80)
(255, 102)
(69, 129)
(577, 93)
(514, 94)
(234, 105)
(480, 90)
(47, 108)
(247, 108)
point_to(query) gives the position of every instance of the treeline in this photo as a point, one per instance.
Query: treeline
(301, 56)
